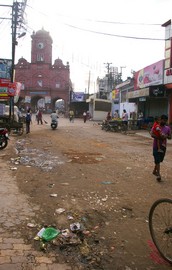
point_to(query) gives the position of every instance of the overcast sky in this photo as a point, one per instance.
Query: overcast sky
(126, 33)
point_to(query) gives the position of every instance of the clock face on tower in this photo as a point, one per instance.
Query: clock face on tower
(40, 45)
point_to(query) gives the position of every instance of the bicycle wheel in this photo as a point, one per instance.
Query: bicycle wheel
(160, 226)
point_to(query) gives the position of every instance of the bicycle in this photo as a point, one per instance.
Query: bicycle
(160, 226)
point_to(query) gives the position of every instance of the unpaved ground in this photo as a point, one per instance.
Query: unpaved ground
(103, 181)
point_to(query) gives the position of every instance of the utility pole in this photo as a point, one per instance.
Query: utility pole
(89, 75)
(17, 22)
(108, 67)
(121, 68)
(108, 75)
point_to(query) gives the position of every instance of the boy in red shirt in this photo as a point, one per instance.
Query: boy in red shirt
(156, 129)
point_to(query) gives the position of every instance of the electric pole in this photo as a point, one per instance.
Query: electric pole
(17, 20)
(108, 67)
(108, 76)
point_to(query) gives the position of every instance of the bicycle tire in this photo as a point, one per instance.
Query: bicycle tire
(160, 226)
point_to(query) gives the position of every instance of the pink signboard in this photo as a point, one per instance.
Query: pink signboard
(151, 75)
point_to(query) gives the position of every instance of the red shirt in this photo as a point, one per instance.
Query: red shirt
(156, 129)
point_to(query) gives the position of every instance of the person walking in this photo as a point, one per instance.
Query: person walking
(28, 121)
(84, 116)
(159, 156)
(108, 117)
(71, 116)
(125, 117)
(39, 117)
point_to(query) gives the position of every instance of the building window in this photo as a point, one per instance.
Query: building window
(39, 82)
(57, 85)
(40, 57)
(22, 86)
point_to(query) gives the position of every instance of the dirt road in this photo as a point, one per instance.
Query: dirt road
(102, 180)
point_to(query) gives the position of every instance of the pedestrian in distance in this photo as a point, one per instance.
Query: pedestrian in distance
(159, 156)
(28, 120)
(116, 115)
(84, 116)
(125, 117)
(108, 117)
(140, 119)
(71, 116)
(39, 117)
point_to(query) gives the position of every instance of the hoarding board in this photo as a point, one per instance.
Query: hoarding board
(8, 89)
(77, 97)
(150, 75)
(5, 68)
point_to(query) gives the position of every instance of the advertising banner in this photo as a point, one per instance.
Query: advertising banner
(5, 68)
(151, 75)
(115, 95)
(27, 99)
(77, 96)
(8, 89)
(47, 99)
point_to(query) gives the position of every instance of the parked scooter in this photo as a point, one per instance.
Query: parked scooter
(3, 138)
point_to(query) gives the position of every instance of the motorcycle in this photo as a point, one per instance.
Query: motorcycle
(3, 138)
(54, 124)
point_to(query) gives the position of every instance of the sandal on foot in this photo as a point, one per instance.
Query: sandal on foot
(155, 173)
(158, 178)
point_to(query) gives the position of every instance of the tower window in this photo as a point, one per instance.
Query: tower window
(40, 57)
(57, 85)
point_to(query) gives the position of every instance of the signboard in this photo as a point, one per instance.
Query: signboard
(27, 99)
(8, 89)
(151, 75)
(48, 99)
(168, 76)
(2, 109)
(157, 91)
(5, 68)
(77, 97)
(138, 93)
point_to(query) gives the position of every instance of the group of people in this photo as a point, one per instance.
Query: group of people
(116, 116)
(28, 118)
(84, 115)
(160, 132)
(38, 118)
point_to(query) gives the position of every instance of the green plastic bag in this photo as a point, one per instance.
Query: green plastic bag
(50, 233)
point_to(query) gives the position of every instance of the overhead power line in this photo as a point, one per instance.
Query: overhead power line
(114, 35)
(98, 21)
(104, 33)
(128, 23)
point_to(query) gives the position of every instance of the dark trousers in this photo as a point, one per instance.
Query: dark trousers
(27, 127)
(39, 120)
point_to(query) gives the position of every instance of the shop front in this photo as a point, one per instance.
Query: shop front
(152, 101)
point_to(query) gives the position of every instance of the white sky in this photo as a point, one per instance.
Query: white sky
(87, 51)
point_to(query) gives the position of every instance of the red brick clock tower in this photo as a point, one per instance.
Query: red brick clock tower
(40, 79)
(41, 47)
